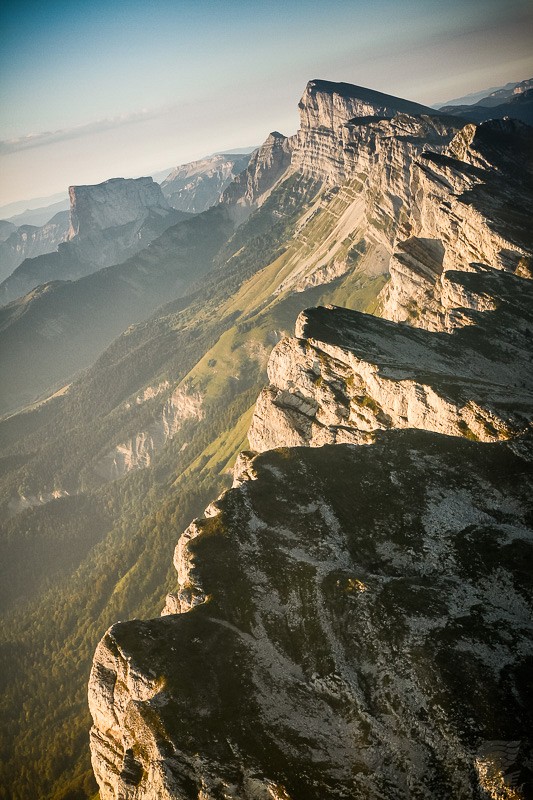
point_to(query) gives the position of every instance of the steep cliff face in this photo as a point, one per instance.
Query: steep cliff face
(29, 241)
(197, 186)
(268, 164)
(466, 214)
(341, 640)
(108, 223)
(472, 204)
(346, 130)
(354, 619)
(347, 374)
(113, 203)
(126, 208)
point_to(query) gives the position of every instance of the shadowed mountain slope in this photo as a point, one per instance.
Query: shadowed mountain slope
(99, 480)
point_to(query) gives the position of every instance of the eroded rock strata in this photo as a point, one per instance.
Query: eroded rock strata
(345, 642)
(346, 374)
(108, 222)
(354, 619)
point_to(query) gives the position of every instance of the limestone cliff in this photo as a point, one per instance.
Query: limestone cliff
(342, 640)
(472, 205)
(347, 374)
(354, 619)
(29, 241)
(108, 223)
(197, 186)
(268, 164)
(346, 132)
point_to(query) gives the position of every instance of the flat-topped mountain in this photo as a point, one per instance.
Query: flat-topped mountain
(116, 202)
(108, 223)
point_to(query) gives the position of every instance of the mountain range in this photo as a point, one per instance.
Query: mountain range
(513, 100)
(192, 188)
(353, 616)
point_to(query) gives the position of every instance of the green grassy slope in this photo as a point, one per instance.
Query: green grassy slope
(215, 342)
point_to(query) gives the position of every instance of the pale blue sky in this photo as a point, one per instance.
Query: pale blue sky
(127, 87)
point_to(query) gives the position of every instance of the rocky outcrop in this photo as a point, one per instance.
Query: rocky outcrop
(346, 131)
(268, 164)
(472, 205)
(347, 374)
(326, 104)
(197, 186)
(342, 641)
(436, 194)
(139, 451)
(354, 619)
(111, 204)
(467, 211)
(29, 241)
(108, 223)
(128, 209)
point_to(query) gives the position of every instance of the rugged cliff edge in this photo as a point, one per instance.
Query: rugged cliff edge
(108, 222)
(347, 374)
(197, 186)
(354, 619)
(360, 625)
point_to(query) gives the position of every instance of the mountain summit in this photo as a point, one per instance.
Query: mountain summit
(352, 618)
(108, 222)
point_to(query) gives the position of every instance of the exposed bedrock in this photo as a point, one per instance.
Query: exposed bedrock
(341, 642)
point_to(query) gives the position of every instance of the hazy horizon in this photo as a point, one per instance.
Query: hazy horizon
(123, 90)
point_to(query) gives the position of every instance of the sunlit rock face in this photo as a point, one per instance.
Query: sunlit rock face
(472, 206)
(268, 164)
(346, 374)
(353, 619)
(360, 627)
(346, 133)
(348, 130)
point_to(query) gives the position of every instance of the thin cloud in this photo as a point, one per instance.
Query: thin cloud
(32, 140)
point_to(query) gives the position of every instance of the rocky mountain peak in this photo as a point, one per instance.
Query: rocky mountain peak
(329, 104)
(198, 185)
(116, 202)
(267, 165)
(109, 222)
